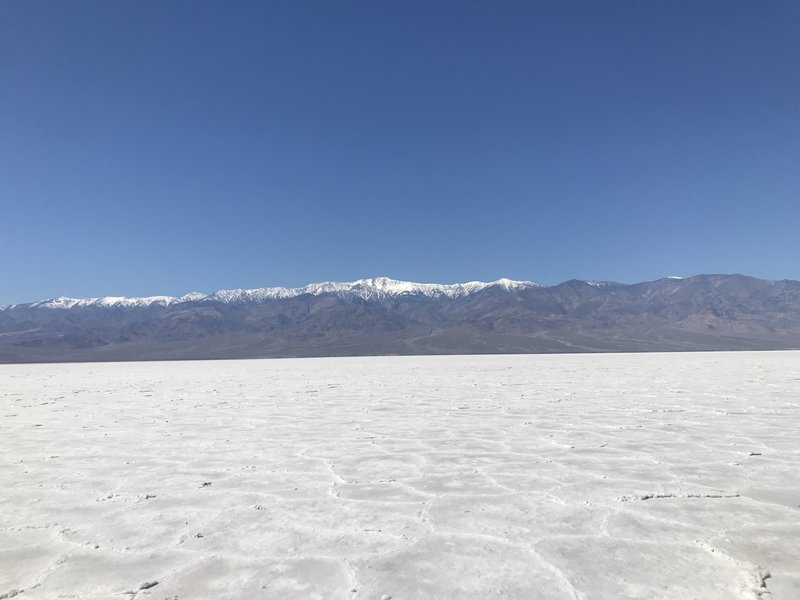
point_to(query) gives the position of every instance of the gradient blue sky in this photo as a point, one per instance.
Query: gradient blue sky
(162, 147)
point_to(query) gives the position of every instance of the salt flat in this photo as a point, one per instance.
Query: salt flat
(527, 477)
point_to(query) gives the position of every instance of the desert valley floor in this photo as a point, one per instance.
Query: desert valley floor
(528, 477)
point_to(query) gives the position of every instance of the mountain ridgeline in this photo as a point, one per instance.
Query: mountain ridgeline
(382, 317)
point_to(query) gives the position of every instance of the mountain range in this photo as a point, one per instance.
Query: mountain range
(383, 316)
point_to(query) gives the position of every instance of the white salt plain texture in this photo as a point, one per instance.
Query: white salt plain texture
(527, 477)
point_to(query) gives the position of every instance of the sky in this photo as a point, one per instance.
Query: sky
(155, 147)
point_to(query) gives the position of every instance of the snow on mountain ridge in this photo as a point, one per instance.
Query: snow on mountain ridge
(106, 301)
(368, 289)
(375, 288)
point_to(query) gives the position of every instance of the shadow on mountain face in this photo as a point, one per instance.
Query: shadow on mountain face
(706, 312)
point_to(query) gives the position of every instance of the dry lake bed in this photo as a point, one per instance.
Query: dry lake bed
(528, 477)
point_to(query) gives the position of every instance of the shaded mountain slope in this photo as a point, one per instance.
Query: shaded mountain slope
(381, 316)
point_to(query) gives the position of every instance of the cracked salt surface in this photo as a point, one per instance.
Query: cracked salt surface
(573, 476)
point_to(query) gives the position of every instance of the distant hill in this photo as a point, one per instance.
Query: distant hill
(384, 316)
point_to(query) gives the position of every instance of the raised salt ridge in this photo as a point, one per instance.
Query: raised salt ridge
(580, 477)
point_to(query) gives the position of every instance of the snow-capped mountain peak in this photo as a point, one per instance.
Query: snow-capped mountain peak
(368, 289)
(106, 302)
(376, 288)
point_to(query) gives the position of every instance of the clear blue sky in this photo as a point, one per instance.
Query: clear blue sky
(161, 147)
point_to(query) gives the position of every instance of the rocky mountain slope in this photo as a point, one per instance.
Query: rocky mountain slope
(384, 316)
